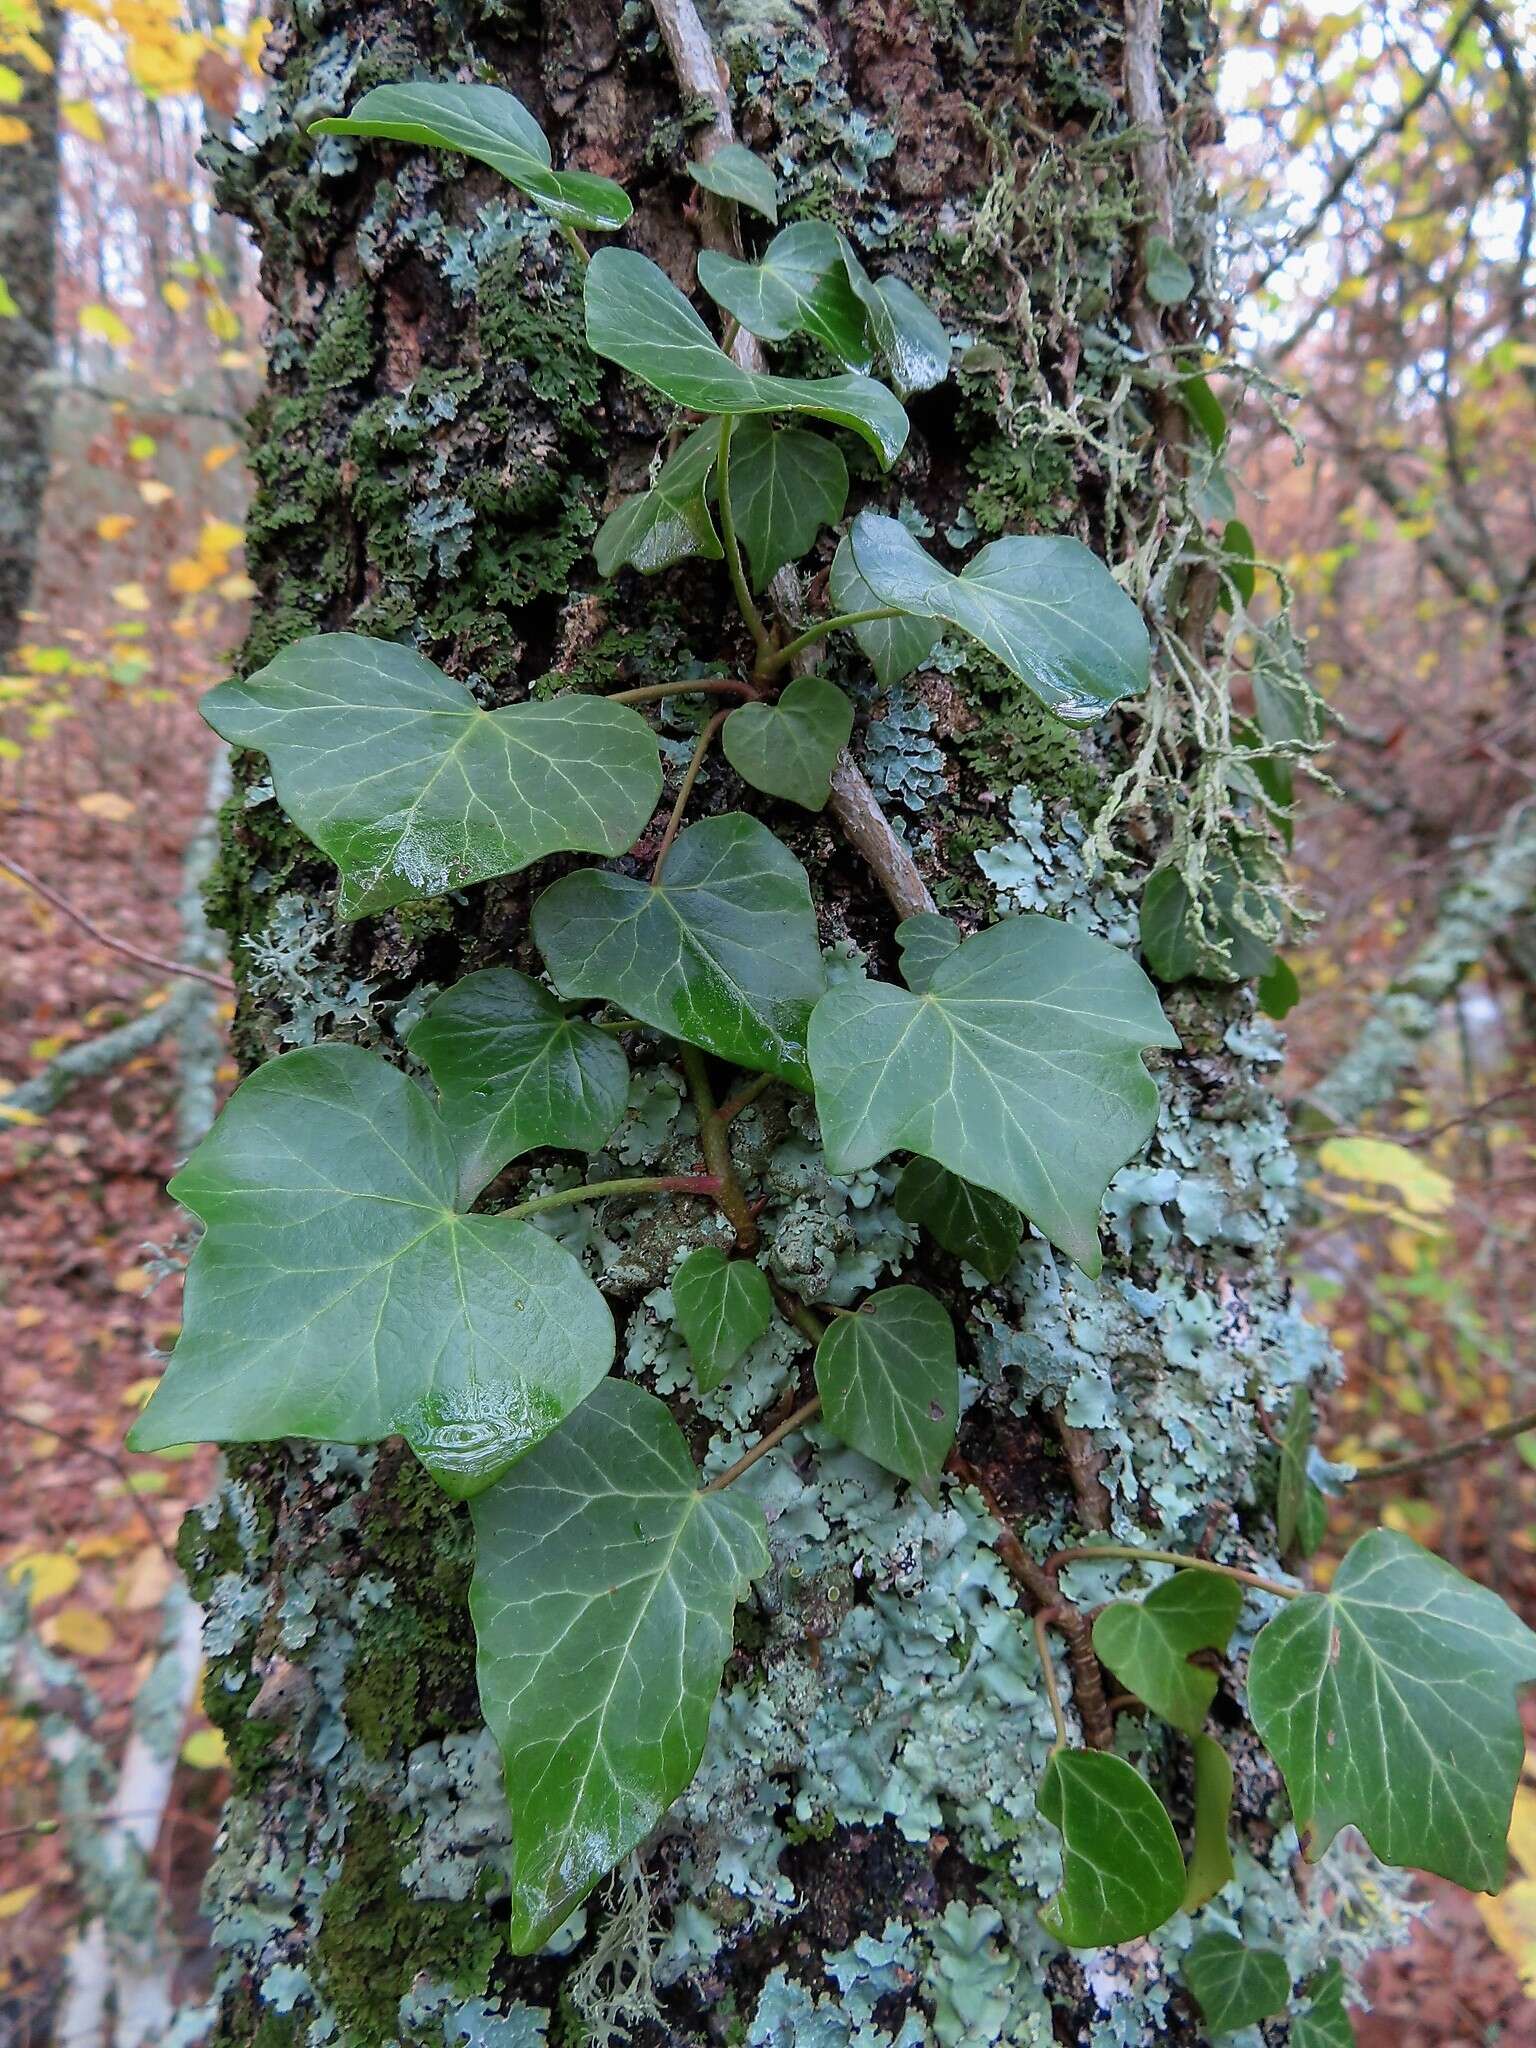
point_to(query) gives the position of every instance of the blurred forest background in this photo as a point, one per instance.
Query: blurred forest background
(1377, 199)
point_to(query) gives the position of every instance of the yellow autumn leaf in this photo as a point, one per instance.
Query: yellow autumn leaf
(104, 325)
(175, 295)
(217, 457)
(79, 1630)
(205, 1749)
(13, 1113)
(17, 1900)
(237, 586)
(131, 1280)
(13, 130)
(11, 86)
(48, 1572)
(115, 525)
(189, 575)
(223, 321)
(106, 803)
(153, 492)
(130, 597)
(1419, 1186)
(82, 116)
(218, 537)
(137, 1392)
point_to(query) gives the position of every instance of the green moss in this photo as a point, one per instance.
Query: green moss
(343, 351)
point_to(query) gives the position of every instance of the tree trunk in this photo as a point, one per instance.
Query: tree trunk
(29, 204)
(859, 1858)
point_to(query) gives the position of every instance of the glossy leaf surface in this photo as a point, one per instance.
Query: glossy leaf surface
(1018, 1067)
(789, 749)
(395, 772)
(800, 287)
(907, 333)
(738, 173)
(723, 954)
(489, 124)
(889, 1383)
(637, 318)
(338, 1293)
(1210, 1855)
(1389, 1703)
(894, 647)
(514, 1072)
(1122, 1873)
(1234, 1985)
(669, 522)
(605, 1585)
(786, 485)
(970, 1222)
(1148, 1643)
(722, 1306)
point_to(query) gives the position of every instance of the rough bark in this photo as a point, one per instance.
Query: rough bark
(859, 1860)
(29, 196)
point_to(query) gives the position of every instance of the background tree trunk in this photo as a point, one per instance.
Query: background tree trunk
(860, 1858)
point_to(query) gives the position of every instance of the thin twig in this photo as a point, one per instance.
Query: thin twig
(157, 961)
(798, 1420)
(1088, 1552)
(706, 686)
(1038, 1621)
(1446, 1454)
(80, 1443)
(685, 790)
(714, 1141)
(744, 1098)
(601, 1190)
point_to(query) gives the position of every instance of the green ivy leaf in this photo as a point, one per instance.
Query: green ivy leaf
(1238, 549)
(1389, 1702)
(1122, 1873)
(339, 1294)
(1205, 411)
(786, 485)
(908, 334)
(1169, 278)
(967, 1221)
(395, 772)
(1325, 2023)
(722, 954)
(923, 942)
(1278, 990)
(889, 1383)
(799, 287)
(723, 1306)
(1234, 1985)
(670, 521)
(1301, 1513)
(1046, 607)
(605, 1585)
(1018, 1067)
(1210, 1855)
(893, 647)
(1148, 1643)
(514, 1072)
(738, 173)
(789, 749)
(490, 125)
(1175, 946)
(637, 318)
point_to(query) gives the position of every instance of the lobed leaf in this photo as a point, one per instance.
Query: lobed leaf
(800, 287)
(889, 1383)
(722, 1306)
(395, 772)
(604, 1589)
(895, 646)
(1234, 1985)
(968, 1221)
(1018, 1067)
(495, 128)
(338, 1293)
(1148, 1643)
(922, 942)
(913, 346)
(789, 749)
(738, 173)
(1325, 2023)
(1122, 1873)
(786, 485)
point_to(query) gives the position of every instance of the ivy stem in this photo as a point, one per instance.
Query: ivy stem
(1083, 1551)
(744, 604)
(576, 245)
(598, 1190)
(774, 659)
(716, 1146)
(685, 790)
(707, 686)
(1039, 1621)
(802, 1415)
(744, 1098)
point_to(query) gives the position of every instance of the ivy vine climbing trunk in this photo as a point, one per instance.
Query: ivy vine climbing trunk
(861, 1856)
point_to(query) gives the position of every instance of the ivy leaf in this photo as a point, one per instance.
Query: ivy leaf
(637, 318)
(736, 172)
(395, 772)
(338, 1293)
(1148, 1643)
(1169, 278)
(889, 1383)
(605, 1585)
(786, 485)
(1234, 1985)
(1122, 1873)
(1018, 1067)
(910, 337)
(924, 941)
(722, 954)
(1240, 558)
(670, 521)
(723, 1306)
(967, 1221)
(1227, 948)
(1301, 1513)
(893, 647)
(1278, 990)
(800, 287)
(1205, 410)
(1210, 1855)
(514, 1072)
(790, 748)
(1389, 1702)
(490, 125)
(1047, 608)
(1325, 2023)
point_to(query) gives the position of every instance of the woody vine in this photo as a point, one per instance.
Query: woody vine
(347, 1287)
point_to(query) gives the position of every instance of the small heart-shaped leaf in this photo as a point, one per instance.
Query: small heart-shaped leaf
(490, 125)
(909, 336)
(1325, 2023)
(1234, 1985)
(722, 954)
(889, 1383)
(723, 1306)
(736, 172)
(1169, 278)
(513, 1072)
(973, 1224)
(1121, 1871)
(894, 647)
(924, 942)
(786, 485)
(670, 521)
(800, 287)
(1301, 1512)
(395, 772)
(790, 749)
(1148, 1643)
